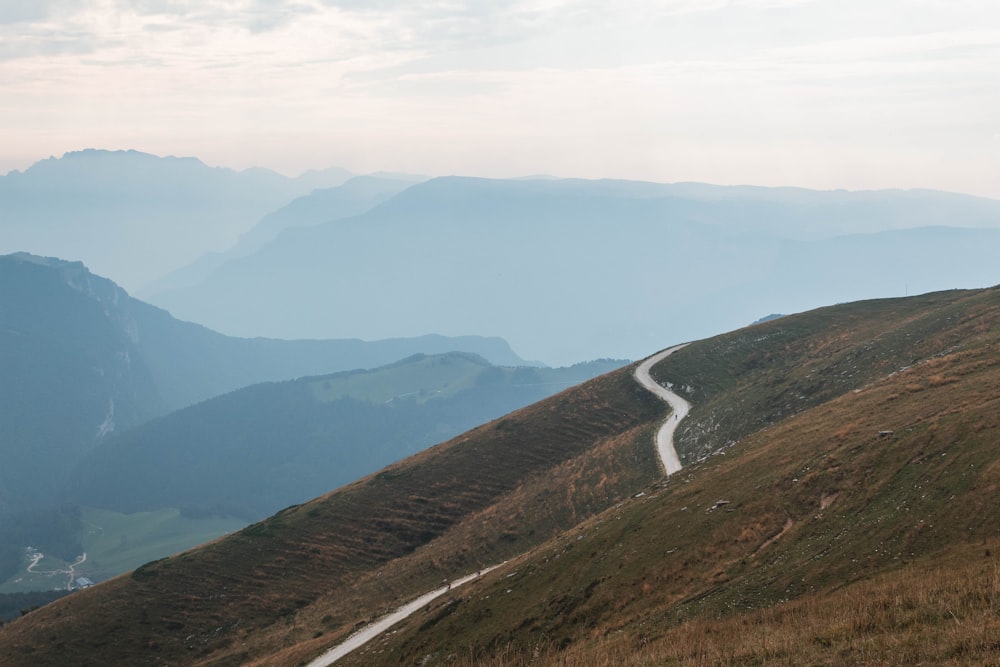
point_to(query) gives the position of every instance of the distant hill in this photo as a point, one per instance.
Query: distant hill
(136, 216)
(591, 259)
(254, 451)
(836, 507)
(354, 197)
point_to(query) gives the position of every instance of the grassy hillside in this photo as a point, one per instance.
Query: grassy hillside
(854, 525)
(301, 575)
(811, 540)
(754, 377)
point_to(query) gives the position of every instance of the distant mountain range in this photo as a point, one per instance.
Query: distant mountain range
(564, 269)
(135, 216)
(357, 195)
(569, 269)
(81, 359)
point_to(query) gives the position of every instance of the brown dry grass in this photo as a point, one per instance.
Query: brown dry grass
(838, 546)
(946, 612)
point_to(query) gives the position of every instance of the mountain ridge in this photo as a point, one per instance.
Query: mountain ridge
(515, 252)
(134, 215)
(81, 359)
(354, 196)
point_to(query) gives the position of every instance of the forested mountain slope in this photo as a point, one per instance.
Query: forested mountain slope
(257, 450)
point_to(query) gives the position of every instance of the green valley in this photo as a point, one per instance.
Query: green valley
(114, 543)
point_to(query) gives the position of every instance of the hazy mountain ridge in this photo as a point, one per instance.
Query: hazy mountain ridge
(189, 361)
(460, 255)
(136, 216)
(193, 363)
(517, 252)
(353, 197)
(72, 372)
(802, 503)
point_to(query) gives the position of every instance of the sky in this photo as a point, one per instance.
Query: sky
(857, 94)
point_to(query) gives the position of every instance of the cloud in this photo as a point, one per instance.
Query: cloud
(254, 15)
(354, 28)
(749, 73)
(52, 29)
(17, 47)
(25, 11)
(21, 11)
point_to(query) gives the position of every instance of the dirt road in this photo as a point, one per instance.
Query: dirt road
(671, 464)
(369, 632)
(665, 436)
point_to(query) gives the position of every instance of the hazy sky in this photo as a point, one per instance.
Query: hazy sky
(819, 93)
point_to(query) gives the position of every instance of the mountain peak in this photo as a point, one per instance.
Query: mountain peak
(54, 262)
(76, 275)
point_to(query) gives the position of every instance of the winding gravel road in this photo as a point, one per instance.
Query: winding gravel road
(668, 457)
(370, 632)
(665, 436)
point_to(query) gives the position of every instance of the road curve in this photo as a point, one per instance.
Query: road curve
(665, 436)
(370, 632)
(668, 457)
